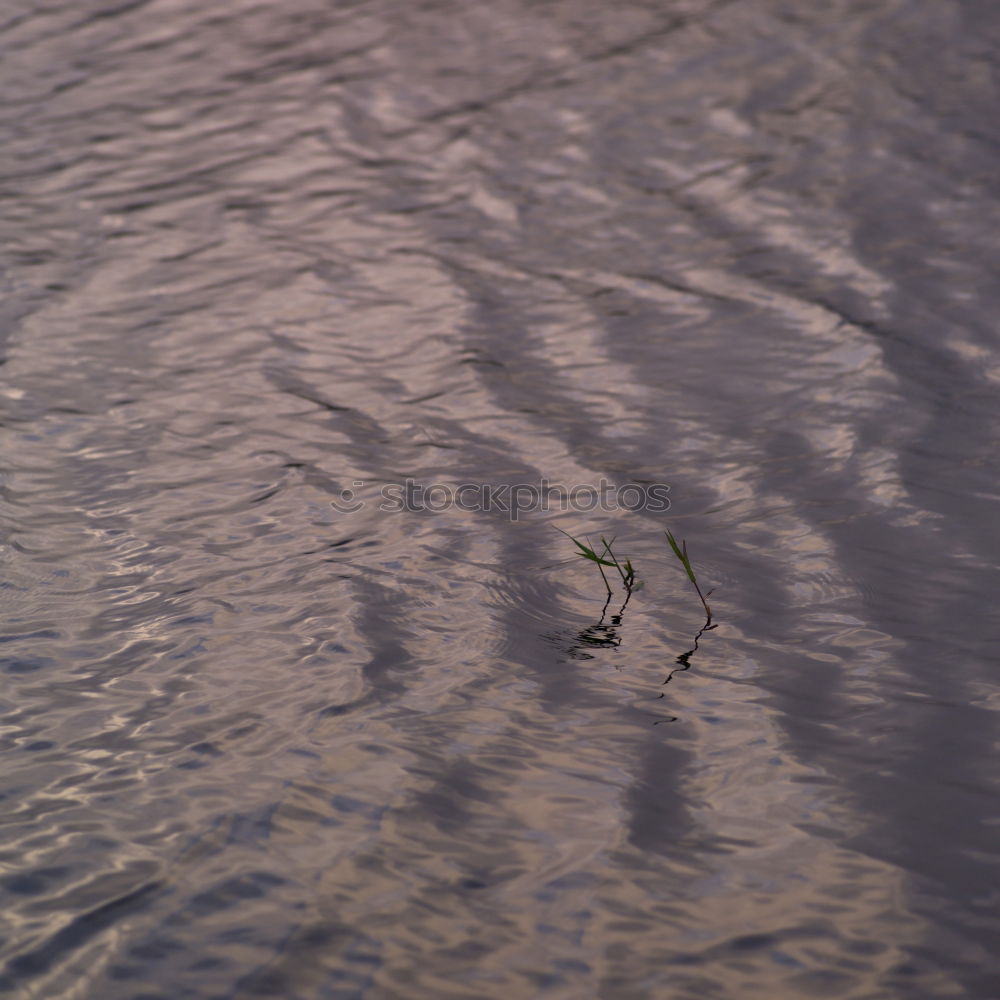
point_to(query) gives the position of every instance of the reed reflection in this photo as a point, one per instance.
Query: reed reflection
(604, 634)
(684, 661)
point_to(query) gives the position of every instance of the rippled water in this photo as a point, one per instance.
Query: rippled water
(259, 254)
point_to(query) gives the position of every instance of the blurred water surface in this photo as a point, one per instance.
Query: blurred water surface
(260, 253)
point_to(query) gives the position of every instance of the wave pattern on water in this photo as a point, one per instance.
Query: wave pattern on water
(258, 255)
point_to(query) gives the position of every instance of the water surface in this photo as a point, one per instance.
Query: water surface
(260, 254)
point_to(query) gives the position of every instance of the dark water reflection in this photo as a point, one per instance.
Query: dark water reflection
(260, 254)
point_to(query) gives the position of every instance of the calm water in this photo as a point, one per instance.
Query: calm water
(259, 254)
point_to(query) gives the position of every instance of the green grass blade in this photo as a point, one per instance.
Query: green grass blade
(585, 551)
(673, 545)
(681, 552)
(597, 559)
